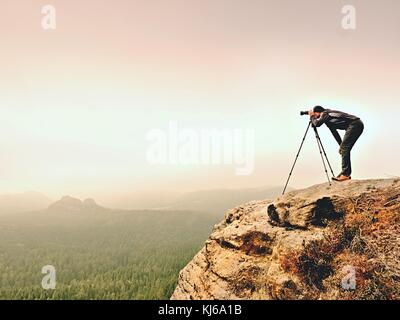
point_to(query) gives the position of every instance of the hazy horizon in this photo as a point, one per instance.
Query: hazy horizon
(78, 102)
(128, 201)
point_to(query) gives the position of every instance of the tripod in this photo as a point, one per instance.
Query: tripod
(321, 151)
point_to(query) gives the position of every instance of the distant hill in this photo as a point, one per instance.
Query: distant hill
(220, 200)
(20, 202)
(142, 200)
(211, 201)
(70, 204)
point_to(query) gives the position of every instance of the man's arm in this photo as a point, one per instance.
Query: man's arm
(317, 122)
(336, 135)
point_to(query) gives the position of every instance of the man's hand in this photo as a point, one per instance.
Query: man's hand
(311, 114)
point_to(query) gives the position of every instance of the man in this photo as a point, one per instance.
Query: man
(337, 120)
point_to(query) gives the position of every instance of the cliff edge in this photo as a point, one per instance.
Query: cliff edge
(323, 242)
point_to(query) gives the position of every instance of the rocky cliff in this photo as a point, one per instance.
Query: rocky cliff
(324, 242)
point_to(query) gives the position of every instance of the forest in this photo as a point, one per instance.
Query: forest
(99, 254)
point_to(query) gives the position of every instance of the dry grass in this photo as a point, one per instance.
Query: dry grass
(367, 238)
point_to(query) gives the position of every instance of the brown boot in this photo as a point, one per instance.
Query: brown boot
(342, 178)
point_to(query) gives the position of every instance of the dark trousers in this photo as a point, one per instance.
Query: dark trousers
(352, 134)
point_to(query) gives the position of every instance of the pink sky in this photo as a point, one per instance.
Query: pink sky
(77, 101)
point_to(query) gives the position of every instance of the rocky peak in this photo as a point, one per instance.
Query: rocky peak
(89, 203)
(302, 246)
(70, 204)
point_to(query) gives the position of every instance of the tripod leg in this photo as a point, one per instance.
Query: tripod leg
(323, 150)
(295, 160)
(322, 156)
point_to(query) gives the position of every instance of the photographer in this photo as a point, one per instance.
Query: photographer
(337, 120)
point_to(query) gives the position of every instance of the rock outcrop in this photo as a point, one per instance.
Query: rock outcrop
(324, 242)
(73, 205)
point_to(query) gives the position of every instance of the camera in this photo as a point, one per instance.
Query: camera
(304, 113)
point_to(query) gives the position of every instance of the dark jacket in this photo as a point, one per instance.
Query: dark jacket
(335, 120)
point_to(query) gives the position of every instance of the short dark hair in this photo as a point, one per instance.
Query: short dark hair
(318, 109)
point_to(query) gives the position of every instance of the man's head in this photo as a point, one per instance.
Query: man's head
(318, 110)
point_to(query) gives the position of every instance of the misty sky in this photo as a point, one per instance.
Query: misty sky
(77, 102)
